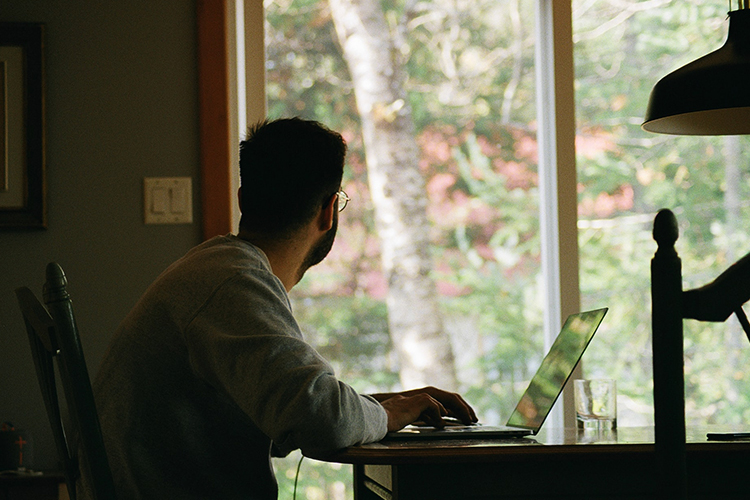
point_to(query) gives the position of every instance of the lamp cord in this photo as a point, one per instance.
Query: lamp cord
(296, 477)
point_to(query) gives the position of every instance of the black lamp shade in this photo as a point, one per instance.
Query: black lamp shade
(709, 96)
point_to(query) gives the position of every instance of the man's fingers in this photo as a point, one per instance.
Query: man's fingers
(457, 405)
(453, 404)
(403, 410)
(434, 412)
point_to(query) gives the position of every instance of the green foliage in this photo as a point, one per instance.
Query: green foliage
(306, 72)
(352, 333)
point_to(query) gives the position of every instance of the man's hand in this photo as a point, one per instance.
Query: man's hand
(428, 404)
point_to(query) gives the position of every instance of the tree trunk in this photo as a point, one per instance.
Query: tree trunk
(398, 193)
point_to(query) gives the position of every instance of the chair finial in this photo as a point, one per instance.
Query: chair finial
(55, 286)
(666, 230)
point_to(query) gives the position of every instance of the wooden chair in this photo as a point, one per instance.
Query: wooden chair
(53, 334)
(670, 305)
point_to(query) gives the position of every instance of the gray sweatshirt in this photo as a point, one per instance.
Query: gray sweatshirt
(207, 372)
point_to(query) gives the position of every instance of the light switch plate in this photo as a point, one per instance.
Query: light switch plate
(168, 200)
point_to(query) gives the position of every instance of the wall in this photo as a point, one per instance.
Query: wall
(121, 104)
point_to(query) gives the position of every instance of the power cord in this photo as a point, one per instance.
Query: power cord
(296, 477)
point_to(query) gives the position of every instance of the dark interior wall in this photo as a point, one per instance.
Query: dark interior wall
(121, 104)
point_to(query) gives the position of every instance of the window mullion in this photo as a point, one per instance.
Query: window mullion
(557, 176)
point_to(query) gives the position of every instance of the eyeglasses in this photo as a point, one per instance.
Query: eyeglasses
(343, 199)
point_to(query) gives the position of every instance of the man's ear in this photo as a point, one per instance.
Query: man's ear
(325, 220)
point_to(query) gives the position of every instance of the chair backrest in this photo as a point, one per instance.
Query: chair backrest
(53, 334)
(670, 304)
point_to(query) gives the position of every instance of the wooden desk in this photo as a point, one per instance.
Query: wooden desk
(550, 465)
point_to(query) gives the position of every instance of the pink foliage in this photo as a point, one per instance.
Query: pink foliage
(374, 284)
(517, 175)
(525, 147)
(438, 185)
(436, 146)
(605, 204)
(481, 214)
(592, 142)
(447, 289)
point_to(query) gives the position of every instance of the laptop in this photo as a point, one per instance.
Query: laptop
(543, 390)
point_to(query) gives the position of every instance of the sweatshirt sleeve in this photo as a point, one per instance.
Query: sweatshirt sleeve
(245, 342)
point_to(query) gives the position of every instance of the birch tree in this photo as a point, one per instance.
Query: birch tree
(398, 193)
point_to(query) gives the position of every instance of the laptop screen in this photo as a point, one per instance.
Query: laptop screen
(548, 382)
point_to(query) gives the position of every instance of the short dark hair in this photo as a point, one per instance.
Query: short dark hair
(289, 168)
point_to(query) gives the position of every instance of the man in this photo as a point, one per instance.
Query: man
(209, 373)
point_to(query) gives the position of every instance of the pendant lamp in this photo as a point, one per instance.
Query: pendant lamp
(708, 96)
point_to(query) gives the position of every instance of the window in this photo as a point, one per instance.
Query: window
(469, 87)
(621, 50)
(465, 100)
(472, 78)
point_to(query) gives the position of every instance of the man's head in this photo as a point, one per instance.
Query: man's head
(289, 169)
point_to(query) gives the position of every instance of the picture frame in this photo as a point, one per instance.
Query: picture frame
(23, 193)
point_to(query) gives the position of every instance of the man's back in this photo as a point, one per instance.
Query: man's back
(208, 357)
